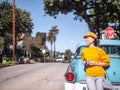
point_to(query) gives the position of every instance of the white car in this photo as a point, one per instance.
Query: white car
(60, 59)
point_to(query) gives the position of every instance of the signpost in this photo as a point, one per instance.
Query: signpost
(109, 32)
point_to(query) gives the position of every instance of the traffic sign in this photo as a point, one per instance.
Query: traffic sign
(109, 32)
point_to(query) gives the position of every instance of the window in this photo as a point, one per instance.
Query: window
(112, 50)
(78, 51)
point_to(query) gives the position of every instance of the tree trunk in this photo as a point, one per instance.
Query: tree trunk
(1, 61)
(1, 54)
(54, 49)
(87, 19)
(51, 50)
(90, 25)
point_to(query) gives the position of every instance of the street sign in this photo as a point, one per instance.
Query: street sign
(113, 24)
(109, 32)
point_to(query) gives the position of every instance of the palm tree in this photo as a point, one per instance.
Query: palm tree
(52, 37)
(55, 32)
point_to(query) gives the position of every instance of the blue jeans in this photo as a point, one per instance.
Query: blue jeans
(95, 83)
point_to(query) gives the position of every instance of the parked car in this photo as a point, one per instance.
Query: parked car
(60, 59)
(112, 48)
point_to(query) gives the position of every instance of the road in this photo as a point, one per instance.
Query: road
(41, 76)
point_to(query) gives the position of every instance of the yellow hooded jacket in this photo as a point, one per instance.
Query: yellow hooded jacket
(98, 55)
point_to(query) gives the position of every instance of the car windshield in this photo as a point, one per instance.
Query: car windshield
(78, 51)
(111, 50)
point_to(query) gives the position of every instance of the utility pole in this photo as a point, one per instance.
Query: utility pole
(13, 31)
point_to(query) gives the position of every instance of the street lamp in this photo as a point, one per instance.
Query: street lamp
(44, 51)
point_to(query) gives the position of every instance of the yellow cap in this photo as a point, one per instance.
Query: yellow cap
(91, 34)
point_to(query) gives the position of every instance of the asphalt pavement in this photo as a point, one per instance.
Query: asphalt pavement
(40, 76)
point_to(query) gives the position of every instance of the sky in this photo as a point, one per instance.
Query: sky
(71, 32)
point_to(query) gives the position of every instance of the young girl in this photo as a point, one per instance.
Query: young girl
(94, 58)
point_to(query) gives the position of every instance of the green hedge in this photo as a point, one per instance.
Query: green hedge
(7, 63)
